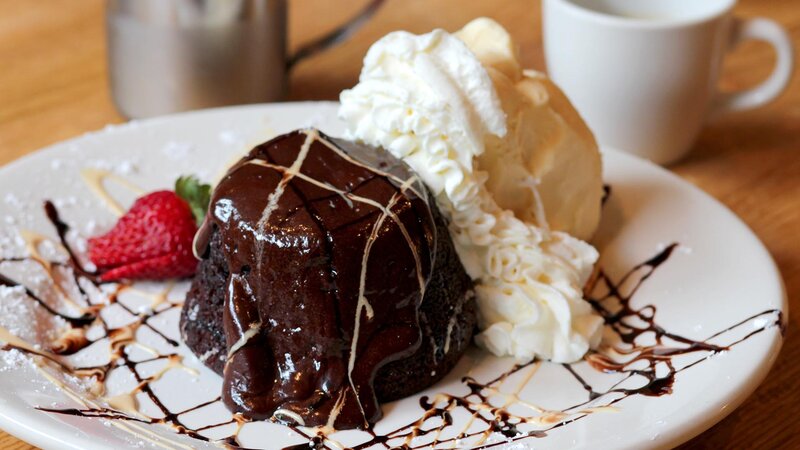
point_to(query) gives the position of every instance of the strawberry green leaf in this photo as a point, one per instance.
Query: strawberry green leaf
(197, 194)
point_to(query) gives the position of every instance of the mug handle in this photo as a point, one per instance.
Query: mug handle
(336, 36)
(764, 30)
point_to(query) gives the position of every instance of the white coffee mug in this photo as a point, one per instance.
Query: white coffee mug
(644, 73)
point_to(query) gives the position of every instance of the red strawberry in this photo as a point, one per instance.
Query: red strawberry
(153, 240)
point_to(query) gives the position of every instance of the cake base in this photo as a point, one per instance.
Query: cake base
(447, 318)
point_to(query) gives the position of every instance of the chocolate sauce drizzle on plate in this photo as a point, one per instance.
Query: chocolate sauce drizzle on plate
(645, 357)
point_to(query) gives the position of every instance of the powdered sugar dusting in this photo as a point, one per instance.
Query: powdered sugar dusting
(177, 151)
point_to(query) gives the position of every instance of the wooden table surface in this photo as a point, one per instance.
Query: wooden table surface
(53, 86)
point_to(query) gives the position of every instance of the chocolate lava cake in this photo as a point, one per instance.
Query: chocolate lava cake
(328, 283)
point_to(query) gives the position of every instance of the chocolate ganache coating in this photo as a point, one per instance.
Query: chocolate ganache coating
(329, 247)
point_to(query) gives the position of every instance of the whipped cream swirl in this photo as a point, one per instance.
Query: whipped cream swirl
(429, 101)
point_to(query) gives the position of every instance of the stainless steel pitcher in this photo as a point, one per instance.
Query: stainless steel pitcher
(167, 56)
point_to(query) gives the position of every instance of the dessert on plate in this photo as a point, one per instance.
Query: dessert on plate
(338, 274)
(328, 283)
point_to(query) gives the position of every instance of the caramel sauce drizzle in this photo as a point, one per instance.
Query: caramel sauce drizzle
(119, 340)
(95, 179)
(643, 351)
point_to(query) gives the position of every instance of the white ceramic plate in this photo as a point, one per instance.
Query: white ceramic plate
(719, 276)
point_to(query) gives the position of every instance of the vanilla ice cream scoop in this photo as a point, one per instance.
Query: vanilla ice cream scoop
(510, 164)
(547, 142)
